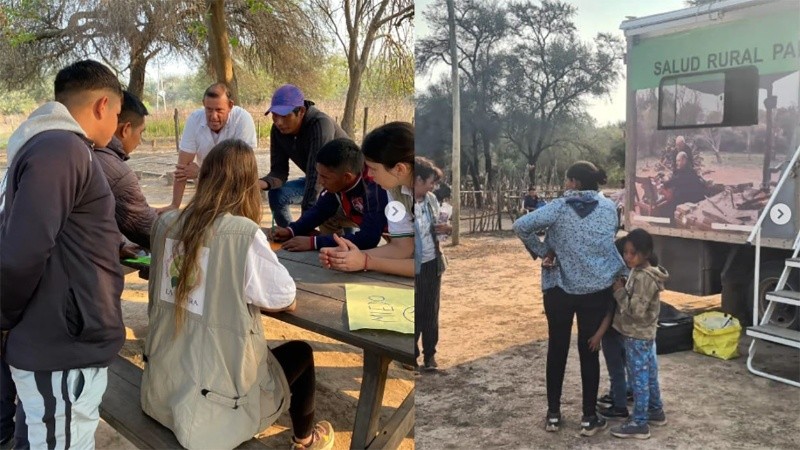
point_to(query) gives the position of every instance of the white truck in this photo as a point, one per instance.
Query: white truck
(713, 130)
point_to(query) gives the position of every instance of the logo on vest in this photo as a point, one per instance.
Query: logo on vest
(358, 204)
(171, 276)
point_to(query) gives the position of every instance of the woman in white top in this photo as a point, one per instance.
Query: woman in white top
(389, 154)
(209, 375)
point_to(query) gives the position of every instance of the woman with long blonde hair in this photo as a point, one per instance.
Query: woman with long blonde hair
(209, 375)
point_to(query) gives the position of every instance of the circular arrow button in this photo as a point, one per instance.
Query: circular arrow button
(395, 211)
(780, 213)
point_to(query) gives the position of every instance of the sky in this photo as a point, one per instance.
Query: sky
(593, 16)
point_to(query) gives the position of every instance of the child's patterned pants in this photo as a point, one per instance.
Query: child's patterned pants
(640, 356)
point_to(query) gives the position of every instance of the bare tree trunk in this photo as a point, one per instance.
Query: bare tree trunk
(136, 80)
(476, 180)
(361, 24)
(532, 158)
(351, 102)
(487, 156)
(532, 173)
(218, 46)
(473, 170)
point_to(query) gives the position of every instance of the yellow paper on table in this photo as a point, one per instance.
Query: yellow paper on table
(380, 308)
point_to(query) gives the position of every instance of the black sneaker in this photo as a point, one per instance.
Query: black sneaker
(656, 417)
(430, 364)
(552, 422)
(591, 425)
(613, 413)
(630, 430)
(605, 401)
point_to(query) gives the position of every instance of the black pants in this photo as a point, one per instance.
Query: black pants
(427, 287)
(8, 394)
(560, 308)
(297, 360)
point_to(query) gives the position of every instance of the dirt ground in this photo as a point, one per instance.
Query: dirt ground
(492, 349)
(338, 365)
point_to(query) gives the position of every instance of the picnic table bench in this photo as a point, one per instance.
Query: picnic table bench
(320, 309)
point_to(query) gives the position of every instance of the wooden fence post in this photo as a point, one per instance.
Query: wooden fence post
(499, 209)
(366, 113)
(177, 142)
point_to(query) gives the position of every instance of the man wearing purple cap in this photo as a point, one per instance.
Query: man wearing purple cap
(299, 130)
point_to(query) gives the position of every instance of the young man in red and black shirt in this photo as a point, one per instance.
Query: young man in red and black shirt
(340, 172)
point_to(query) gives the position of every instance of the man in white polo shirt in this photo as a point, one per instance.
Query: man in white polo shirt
(218, 120)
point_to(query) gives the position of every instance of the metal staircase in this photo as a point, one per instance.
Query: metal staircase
(762, 329)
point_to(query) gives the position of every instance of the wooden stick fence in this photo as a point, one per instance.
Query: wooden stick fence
(500, 208)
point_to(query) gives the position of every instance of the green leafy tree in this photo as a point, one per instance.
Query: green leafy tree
(481, 29)
(40, 36)
(433, 117)
(16, 102)
(280, 36)
(390, 76)
(43, 35)
(551, 73)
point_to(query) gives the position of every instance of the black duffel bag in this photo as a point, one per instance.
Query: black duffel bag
(674, 333)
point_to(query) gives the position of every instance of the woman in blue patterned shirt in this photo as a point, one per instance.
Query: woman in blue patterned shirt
(579, 228)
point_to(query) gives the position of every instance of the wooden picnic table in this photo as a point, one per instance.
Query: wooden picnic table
(321, 308)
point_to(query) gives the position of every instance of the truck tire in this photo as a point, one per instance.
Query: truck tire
(786, 316)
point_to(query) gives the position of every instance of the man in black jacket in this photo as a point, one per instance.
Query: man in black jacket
(134, 216)
(299, 130)
(60, 278)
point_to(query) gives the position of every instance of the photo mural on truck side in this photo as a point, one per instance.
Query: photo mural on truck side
(716, 119)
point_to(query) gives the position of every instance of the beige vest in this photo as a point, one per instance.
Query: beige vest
(399, 196)
(216, 384)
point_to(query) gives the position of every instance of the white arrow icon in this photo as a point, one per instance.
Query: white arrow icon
(781, 214)
(395, 211)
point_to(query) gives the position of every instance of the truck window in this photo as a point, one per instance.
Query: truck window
(709, 99)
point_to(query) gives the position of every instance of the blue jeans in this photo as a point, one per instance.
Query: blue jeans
(614, 353)
(291, 193)
(641, 358)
